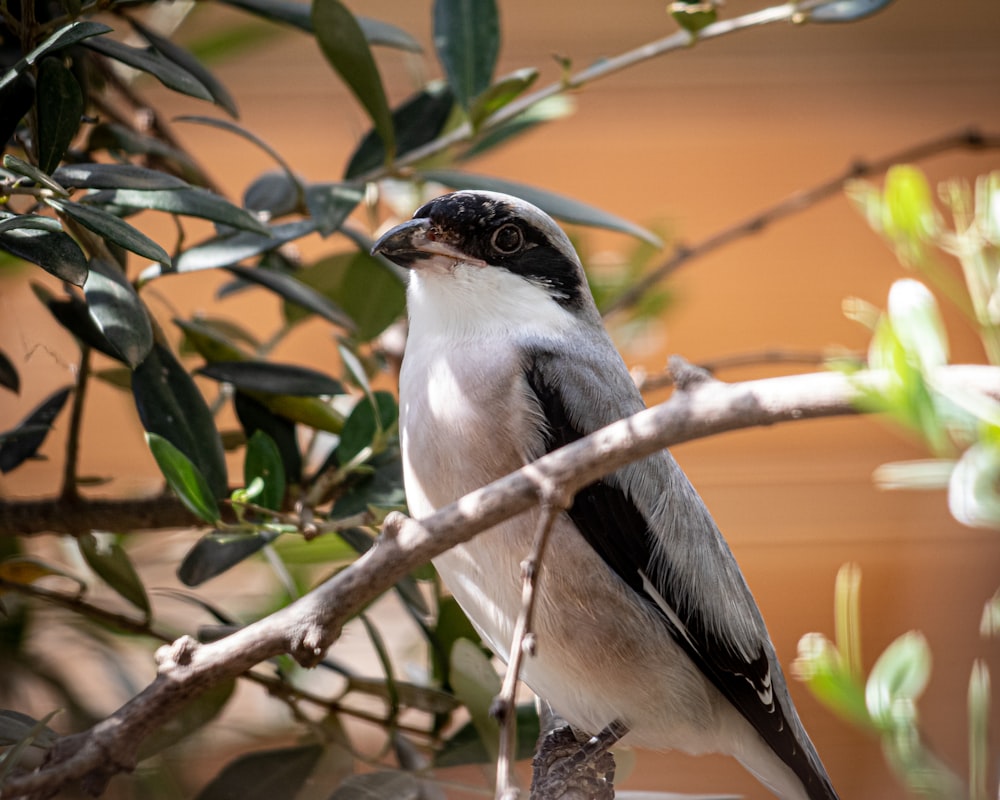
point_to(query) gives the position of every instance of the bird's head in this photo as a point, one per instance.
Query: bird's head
(481, 259)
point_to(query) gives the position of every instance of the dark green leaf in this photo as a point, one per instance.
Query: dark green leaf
(16, 98)
(23, 441)
(72, 313)
(183, 59)
(255, 417)
(364, 423)
(169, 404)
(116, 176)
(465, 747)
(222, 251)
(15, 726)
(387, 35)
(694, 15)
(559, 206)
(295, 291)
(417, 121)
(264, 775)
(120, 141)
(20, 167)
(113, 229)
(343, 43)
(64, 37)
(8, 374)
(369, 291)
(273, 192)
(844, 10)
(118, 312)
(184, 478)
(192, 716)
(189, 202)
(467, 40)
(267, 376)
(110, 561)
(381, 489)
(551, 108)
(59, 109)
(36, 222)
(500, 94)
(331, 203)
(217, 552)
(150, 61)
(452, 625)
(54, 251)
(475, 682)
(263, 460)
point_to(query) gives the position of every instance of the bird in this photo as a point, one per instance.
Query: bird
(644, 623)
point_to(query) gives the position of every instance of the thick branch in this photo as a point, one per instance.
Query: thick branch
(71, 515)
(700, 407)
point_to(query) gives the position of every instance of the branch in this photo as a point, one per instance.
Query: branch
(71, 515)
(305, 629)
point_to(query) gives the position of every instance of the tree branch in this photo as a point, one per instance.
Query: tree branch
(700, 407)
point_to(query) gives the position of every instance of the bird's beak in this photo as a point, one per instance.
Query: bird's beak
(413, 242)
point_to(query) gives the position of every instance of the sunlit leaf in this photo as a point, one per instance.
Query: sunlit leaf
(917, 322)
(365, 423)
(26, 236)
(59, 109)
(693, 15)
(113, 229)
(148, 60)
(829, 678)
(500, 94)
(21, 167)
(184, 478)
(64, 37)
(116, 176)
(110, 561)
(551, 108)
(974, 488)
(467, 41)
(331, 203)
(897, 680)
(844, 10)
(118, 312)
(189, 202)
(381, 489)
(23, 441)
(344, 44)
(229, 249)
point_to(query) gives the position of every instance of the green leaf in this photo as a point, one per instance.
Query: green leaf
(64, 37)
(113, 229)
(273, 378)
(380, 489)
(217, 552)
(118, 312)
(559, 206)
(897, 680)
(551, 108)
(170, 405)
(22, 442)
(500, 94)
(693, 15)
(110, 561)
(294, 291)
(9, 378)
(452, 625)
(263, 461)
(364, 423)
(15, 727)
(476, 683)
(844, 10)
(255, 416)
(331, 203)
(974, 488)
(20, 167)
(189, 202)
(273, 192)
(231, 248)
(343, 43)
(909, 218)
(264, 775)
(829, 678)
(26, 236)
(915, 318)
(187, 62)
(116, 176)
(184, 478)
(464, 747)
(417, 121)
(16, 99)
(370, 292)
(192, 716)
(153, 63)
(59, 109)
(467, 40)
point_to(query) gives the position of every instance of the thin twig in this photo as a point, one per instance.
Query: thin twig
(797, 202)
(69, 485)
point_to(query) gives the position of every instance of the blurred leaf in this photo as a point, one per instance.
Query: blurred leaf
(184, 478)
(216, 552)
(295, 291)
(192, 716)
(417, 121)
(379, 786)
(989, 623)
(844, 10)
(908, 215)
(979, 726)
(263, 460)
(380, 489)
(467, 41)
(54, 251)
(897, 680)
(211, 340)
(8, 374)
(386, 34)
(72, 313)
(148, 60)
(325, 550)
(500, 94)
(59, 109)
(264, 774)
(231, 248)
(559, 206)
(120, 141)
(17, 97)
(368, 291)
(20, 167)
(189, 202)
(183, 59)
(118, 312)
(365, 423)
(267, 376)
(331, 203)
(170, 405)
(829, 678)
(917, 322)
(28, 569)
(110, 561)
(64, 37)
(476, 683)
(113, 229)
(974, 488)
(274, 192)
(116, 176)
(465, 746)
(343, 42)
(13, 756)
(16, 727)
(922, 475)
(693, 15)
(22, 442)
(255, 417)
(452, 625)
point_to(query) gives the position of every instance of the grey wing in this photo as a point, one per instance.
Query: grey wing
(652, 529)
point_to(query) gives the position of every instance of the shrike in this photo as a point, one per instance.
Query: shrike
(643, 618)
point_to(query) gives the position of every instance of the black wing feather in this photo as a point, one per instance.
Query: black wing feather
(613, 525)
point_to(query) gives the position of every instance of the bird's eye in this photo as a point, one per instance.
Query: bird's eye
(507, 239)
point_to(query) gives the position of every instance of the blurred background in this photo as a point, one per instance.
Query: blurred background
(686, 144)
